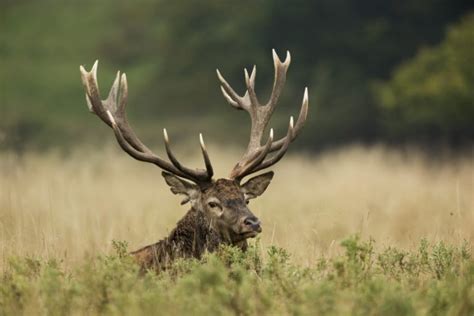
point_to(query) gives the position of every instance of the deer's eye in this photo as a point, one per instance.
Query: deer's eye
(247, 201)
(212, 204)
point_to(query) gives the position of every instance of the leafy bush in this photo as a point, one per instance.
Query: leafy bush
(435, 279)
(431, 95)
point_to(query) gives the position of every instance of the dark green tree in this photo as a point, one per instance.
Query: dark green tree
(431, 97)
(170, 51)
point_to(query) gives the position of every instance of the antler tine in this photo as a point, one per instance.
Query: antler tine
(124, 94)
(170, 154)
(89, 80)
(275, 158)
(230, 100)
(229, 94)
(112, 112)
(250, 82)
(208, 172)
(113, 97)
(280, 77)
(205, 155)
(241, 171)
(299, 122)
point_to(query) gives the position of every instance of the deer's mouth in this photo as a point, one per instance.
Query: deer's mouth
(252, 233)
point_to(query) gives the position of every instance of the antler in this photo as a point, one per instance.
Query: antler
(112, 112)
(256, 157)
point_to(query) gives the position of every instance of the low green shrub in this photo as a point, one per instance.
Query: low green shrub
(435, 279)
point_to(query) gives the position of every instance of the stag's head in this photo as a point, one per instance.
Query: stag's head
(223, 201)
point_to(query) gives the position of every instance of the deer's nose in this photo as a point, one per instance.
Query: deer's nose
(253, 222)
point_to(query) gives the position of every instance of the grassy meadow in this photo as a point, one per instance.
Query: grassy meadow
(367, 231)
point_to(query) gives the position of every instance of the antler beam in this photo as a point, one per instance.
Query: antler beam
(112, 112)
(255, 157)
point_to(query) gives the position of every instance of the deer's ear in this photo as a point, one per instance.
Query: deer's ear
(180, 186)
(257, 185)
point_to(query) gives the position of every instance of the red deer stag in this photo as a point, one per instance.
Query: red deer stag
(219, 213)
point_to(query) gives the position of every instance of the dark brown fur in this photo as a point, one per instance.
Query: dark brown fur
(192, 237)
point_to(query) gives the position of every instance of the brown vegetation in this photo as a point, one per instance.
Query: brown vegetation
(71, 207)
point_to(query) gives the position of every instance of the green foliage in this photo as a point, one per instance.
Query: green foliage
(432, 95)
(436, 279)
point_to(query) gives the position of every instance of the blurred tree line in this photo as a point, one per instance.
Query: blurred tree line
(394, 71)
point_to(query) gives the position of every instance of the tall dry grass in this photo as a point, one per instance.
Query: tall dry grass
(73, 206)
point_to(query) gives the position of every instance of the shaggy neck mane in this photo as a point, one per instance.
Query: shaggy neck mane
(193, 236)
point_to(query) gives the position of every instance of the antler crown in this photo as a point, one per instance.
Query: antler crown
(256, 157)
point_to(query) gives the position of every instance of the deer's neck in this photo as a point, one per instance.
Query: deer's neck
(193, 235)
(197, 234)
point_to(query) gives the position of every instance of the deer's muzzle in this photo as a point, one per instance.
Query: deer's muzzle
(252, 224)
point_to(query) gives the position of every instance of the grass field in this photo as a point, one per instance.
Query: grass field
(413, 216)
